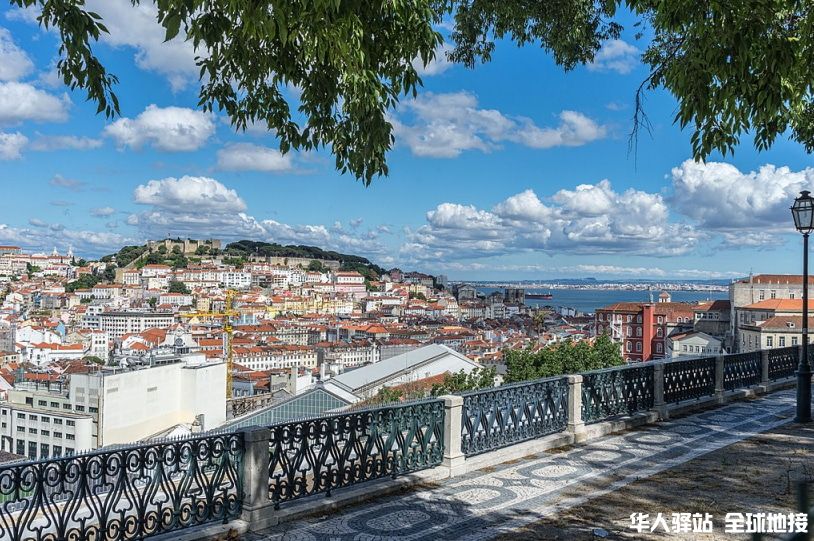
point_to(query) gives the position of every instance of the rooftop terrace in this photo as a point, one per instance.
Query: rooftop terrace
(560, 458)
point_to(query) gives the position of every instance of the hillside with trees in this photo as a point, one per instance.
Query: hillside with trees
(245, 248)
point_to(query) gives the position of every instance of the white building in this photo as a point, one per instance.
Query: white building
(693, 344)
(113, 406)
(117, 324)
(421, 363)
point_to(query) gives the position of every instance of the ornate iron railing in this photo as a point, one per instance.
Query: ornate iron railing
(742, 370)
(509, 414)
(129, 493)
(319, 455)
(616, 391)
(689, 379)
(783, 362)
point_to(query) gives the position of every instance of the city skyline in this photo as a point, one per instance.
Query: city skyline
(497, 172)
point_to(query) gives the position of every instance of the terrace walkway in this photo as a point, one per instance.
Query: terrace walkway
(524, 498)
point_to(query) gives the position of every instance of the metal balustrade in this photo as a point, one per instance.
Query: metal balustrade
(689, 379)
(318, 455)
(616, 391)
(783, 362)
(128, 493)
(139, 491)
(742, 370)
(501, 416)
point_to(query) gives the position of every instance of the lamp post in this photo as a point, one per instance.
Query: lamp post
(803, 213)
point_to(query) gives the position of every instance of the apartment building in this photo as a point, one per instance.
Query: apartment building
(641, 328)
(112, 406)
(119, 323)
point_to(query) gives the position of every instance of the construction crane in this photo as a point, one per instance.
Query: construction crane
(227, 316)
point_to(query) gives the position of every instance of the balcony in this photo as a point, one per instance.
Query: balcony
(478, 465)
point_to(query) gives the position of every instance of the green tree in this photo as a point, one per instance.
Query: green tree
(562, 358)
(152, 301)
(316, 266)
(86, 281)
(388, 394)
(458, 382)
(93, 359)
(162, 249)
(734, 67)
(178, 287)
(419, 296)
(31, 269)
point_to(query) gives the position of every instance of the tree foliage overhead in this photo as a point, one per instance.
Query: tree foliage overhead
(734, 67)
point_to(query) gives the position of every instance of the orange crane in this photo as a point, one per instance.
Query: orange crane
(227, 316)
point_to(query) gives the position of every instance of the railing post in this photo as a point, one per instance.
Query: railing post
(719, 379)
(454, 459)
(576, 425)
(658, 391)
(764, 370)
(258, 509)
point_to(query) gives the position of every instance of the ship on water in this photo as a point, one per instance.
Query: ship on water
(543, 296)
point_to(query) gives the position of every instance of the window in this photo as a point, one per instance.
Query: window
(66, 406)
(638, 347)
(46, 420)
(659, 332)
(684, 347)
(54, 404)
(769, 341)
(638, 331)
(57, 434)
(639, 318)
(91, 409)
(781, 341)
(21, 415)
(42, 402)
(32, 430)
(57, 451)
(661, 319)
(20, 429)
(57, 421)
(45, 432)
(20, 447)
(761, 295)
(80, 408)
(629, 318)
(629, 331)
(32, 417)
(70, 423)
(68, 451)
(773, 294)
(791, 295)
(44, 450)
(70, 437)
(32, 450)
(629, 346)
(793, 340)
(658, 348)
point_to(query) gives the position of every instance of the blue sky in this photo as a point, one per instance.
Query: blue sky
(513, 170)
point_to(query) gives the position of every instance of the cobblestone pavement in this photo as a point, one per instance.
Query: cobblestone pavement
(494, 501)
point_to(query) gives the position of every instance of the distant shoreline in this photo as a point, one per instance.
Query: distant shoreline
(543, 287)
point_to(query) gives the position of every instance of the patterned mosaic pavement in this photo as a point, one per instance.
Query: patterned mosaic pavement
(491, 502)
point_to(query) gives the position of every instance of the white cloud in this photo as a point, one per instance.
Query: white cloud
(137, 27)
(748, 208)
(102, 212)
(21, 101)
(616, 55)
(173, 129)
(249, 157)
(445, 125)
(591, 219)
(68, 183)
(439, 64)
(14, 62)
(189, 194)
(11, 145)
(45, 236)
(64, 142)
(197, 206)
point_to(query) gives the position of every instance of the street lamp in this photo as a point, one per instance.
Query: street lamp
(803, 213)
